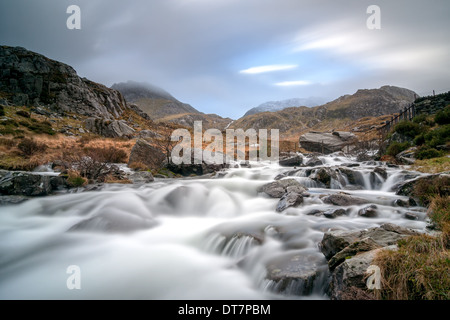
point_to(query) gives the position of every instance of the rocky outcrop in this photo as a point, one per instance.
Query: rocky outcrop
(326, 142)
(28, 78)
(109, 128)
(29, 184)
(143, 153)
(350, 253)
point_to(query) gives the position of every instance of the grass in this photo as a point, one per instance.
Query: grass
(418, 270)
(435, 165)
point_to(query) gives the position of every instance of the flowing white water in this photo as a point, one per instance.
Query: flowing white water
(186, 239)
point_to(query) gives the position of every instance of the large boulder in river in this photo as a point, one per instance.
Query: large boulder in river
(343, 200)
(326, 142)
(29, 184)
(143, 153)
(291, 161)
(278, 188)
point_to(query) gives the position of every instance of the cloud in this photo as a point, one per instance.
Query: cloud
(268, 68)
(293, 83)
(227, 56)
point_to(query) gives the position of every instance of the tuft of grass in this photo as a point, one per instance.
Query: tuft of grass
(29, 147)
(418, 270)
(435, 165)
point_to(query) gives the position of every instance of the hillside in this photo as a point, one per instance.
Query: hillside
(156, 102)
(337, 114)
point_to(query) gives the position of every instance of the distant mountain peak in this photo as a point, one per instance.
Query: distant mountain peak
(273, 106)
(134, 91)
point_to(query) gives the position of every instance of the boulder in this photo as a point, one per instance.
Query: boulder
(385, 235)
(350, 253)
(289, 199)
(343, 200)
(407, 156)
(292, 161)
(141, 177)
(334, 213)
(144, 153)
(109, 128)
(295, 274)
(368, 212)
(326, 142)
(192, 168)
(29, 184)
(278, 188)
(314, 162)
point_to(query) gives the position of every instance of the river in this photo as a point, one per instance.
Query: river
(193, 238)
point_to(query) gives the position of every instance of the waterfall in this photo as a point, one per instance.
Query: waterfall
(206, 238)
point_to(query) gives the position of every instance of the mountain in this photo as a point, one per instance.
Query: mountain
(333, 115)
(161, 106)
(156, 102)
(28, 78)
(283, 104)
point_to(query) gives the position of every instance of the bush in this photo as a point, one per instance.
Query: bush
(29, 147)
(75, 180)
(443, 116)
(397, 147)
(95, 163)
(408, 129)
(423, 119)
(427, 153)
(438, 136)
(428, 188)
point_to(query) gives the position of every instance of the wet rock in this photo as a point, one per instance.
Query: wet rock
(314, 162)
(343, 200)
(192, 168)
(295, 274)
(292, 161)
(368, 212)
(334, 213)
(140, 177)
(381, 171)
(352, 273)
(278, 188)
(411, 216)
(385, 235)
(366, 244)
(289, 199)
(29, 184)
(324, 176)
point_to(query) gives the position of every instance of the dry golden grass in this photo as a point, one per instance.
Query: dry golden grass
(435, 165)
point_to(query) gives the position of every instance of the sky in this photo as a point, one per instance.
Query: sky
(227, 56)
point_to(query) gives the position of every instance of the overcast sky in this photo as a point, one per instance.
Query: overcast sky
(227, 56)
